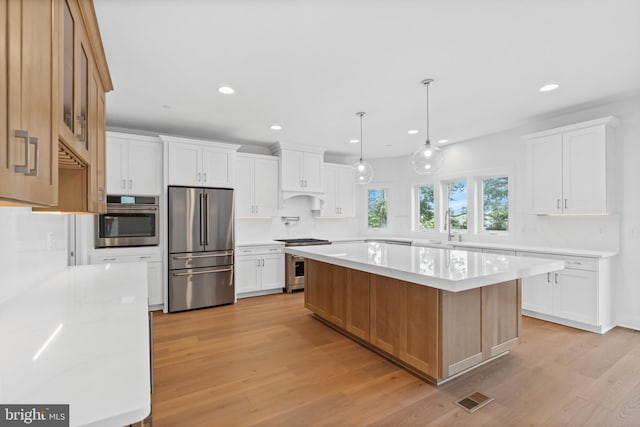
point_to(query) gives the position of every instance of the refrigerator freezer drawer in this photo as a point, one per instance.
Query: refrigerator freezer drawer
(200, 259)
(200, 287)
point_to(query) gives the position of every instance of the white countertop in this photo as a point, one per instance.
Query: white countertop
(259, 243)
(447, 269)
(80, 338)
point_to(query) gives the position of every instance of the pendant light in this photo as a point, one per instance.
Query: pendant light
(427, 160)
(364, 171)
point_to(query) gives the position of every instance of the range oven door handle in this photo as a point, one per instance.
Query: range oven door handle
(224, 270)
(202, 256)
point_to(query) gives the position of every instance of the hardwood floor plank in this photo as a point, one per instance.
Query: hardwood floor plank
(266, 361)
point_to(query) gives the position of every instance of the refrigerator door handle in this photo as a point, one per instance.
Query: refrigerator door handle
(201, 219)
(224, 270)
(206, 219)
(203, 256)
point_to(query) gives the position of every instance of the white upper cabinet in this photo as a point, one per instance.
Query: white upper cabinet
(339, 191)
(569, 169)
(256, 185)
(300, 169)
(134, 164)
(200, 163)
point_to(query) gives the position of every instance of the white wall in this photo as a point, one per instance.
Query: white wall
(505, 152)
(32, 247)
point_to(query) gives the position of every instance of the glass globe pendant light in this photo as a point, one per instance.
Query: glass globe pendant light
(427, 160)
(363, 170)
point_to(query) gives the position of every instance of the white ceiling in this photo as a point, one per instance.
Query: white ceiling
(311, 65)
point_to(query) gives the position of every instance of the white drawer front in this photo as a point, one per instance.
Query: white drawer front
(571, 262)
(259, 250)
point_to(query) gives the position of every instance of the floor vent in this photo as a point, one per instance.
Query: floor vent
(474, 401)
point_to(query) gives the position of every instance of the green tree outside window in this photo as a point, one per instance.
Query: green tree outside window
(377, 209)
(426, 211)
(495, 204)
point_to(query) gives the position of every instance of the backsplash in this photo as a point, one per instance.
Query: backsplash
(251, 230)
(32, 247)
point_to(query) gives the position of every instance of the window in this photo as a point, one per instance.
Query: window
(495, 204)
(457, 204)
(425, 207)
(377, 209)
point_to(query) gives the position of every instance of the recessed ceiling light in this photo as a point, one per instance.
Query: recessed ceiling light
(413, 131)
(276, 127)
(354, 141)
(226, 90)
(443, 141)
(166, 107)
(549, 87)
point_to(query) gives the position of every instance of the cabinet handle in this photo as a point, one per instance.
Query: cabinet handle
(83, 122)
(204, 177)
(565, 203)
(556, 278)
(108, 259)
(130, 184)
(101, 192)
(198, 176)
(145, 257)
(548, 277)
(28, 140)
(256, 208)
(203, 272)
(557, 203)
(305, 183)
(124, 184)
(263, 262)
(258, 262)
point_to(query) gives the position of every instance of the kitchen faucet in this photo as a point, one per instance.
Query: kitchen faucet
(447, 226)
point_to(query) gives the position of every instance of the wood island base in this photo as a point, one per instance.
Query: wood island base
(434, 334)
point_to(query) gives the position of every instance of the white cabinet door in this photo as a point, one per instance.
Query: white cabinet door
(329, 205)
(145, 168)
(272, 271)
(154, 272)
(246, 270)
(312, 172)
(291, 164)
(537, 293)
(215, 167)
(244, 187)
(184, 164)
(584, 171)
(265, 184)
(545, 174)
(575, 295)
(345, 191)
(116, 166)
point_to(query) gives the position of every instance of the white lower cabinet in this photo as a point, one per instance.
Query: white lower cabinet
(577, 296)
(259, 270)
(154, 271)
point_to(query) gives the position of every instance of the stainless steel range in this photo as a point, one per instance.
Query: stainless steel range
(294, 265)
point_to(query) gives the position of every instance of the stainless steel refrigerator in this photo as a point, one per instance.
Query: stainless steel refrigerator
(200, 248)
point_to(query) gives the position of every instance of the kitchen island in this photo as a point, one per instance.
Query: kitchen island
(436, 312)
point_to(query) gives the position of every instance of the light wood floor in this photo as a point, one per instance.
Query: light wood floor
(265, 361)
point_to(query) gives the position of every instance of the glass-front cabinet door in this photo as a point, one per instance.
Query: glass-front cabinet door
(74, 82)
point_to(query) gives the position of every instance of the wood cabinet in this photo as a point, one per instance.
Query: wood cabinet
(134, 165)
(569, 169)
(28, 72)
(256, 186)
(434, 333)
(577, 296)
(200, 163)
(338, 191)
(54, 76)
(300, 169)
(259, 270)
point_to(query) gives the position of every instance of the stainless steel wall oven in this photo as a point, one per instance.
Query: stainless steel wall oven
(129, 221)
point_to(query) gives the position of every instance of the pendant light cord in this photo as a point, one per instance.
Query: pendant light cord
(428, 141)
(361, 142)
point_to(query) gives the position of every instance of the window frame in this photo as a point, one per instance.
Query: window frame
(444, 203)
(415, 209)
(479, 213)
(387, 192)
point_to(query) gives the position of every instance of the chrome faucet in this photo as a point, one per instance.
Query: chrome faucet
(447, 225)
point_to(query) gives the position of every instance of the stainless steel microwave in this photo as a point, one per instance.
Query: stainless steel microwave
(129, 221)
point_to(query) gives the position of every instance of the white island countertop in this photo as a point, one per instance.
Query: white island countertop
(446, 269)
(80, 338)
